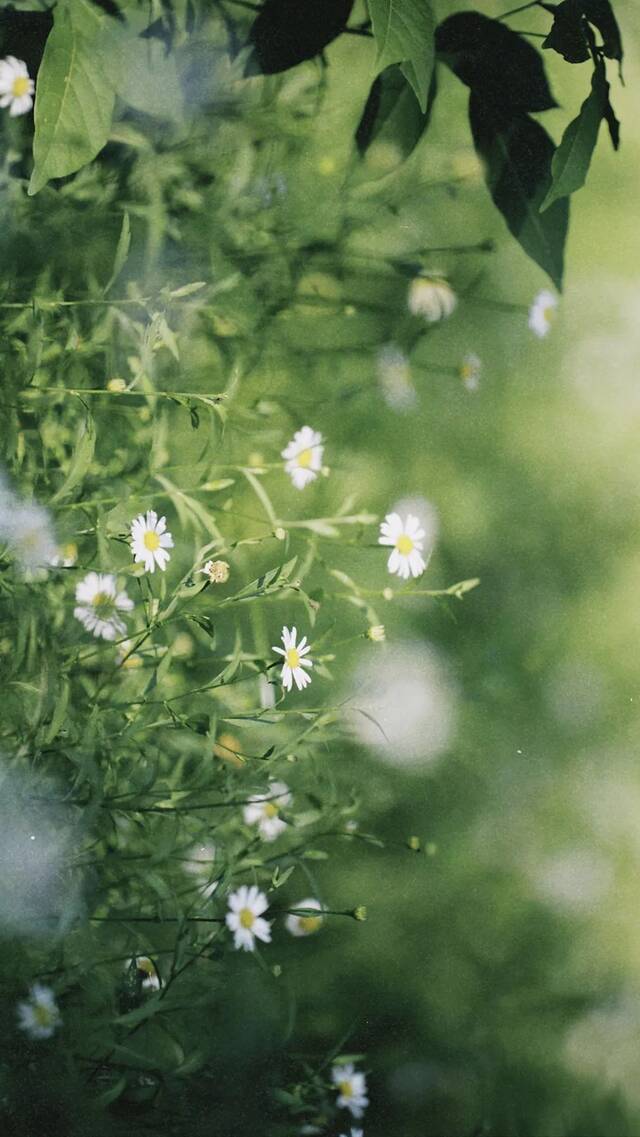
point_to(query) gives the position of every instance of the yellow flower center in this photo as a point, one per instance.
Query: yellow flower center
(20, 86)
(144, 964)
(292, 658)
(44, 1016)
(246, 918)
(549, 313)
(151, 540)
(404, 545)
(271, 809)
(103, 603)
(346, 1089)
(311, 924)
(466, 371)
(305, 458)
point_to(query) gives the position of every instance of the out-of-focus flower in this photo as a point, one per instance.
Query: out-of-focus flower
(228, 748)
(542, 313)
(149, 972)
(127, 658)
(394, 376)
(264, 811)
(217, 572)
(26, 528)
(406, 537)
(294, 660)
(303, 457)
(376, 633)
(470, 371)
(116, 385)
(431, 297)
(16, 88)
(150, 541)
(304, 925)
(66, 556)
(39, 1016)
(245, 919)
(200, 864)
(353, 1133)
(99, 603)
(352, 1089)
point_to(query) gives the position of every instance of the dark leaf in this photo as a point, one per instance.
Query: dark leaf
(517, 155)
(286, 32)
(495, 62)
(572, 159)
(392, 114)
(568, 35)
(110, 8)
(600, 14)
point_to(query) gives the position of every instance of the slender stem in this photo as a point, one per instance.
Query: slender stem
(521, 8)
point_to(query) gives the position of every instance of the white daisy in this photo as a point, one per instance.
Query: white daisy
(264, 811)
(294, 661)
(27, 530)
(200, 864)
(542, 313)
(99, 603)
(304, 925)
(244, 917)
(150, 541)
(151, 980)
(39, 1016)
(394, 376)
(352, 1089)
(470, 371)
(16, 88)
(216, 571)
(303, 457)
(431, 297)
(407, 538)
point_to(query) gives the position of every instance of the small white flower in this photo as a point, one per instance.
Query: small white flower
(407, 539)
(39, 1016)
(294, 660)
(26, 528)
(150, 541)
(376, 633)
(353, 1133)
(99, 603)
(264, 811)
(216, 571)
(470, 371)
(244, 917)
(150, 978)
(200, 864)
(304, 925)
(66, 556)
(303, 457)
(394, 377)
(542, 313)
(431, 297)
(352, 1089)
(16, 88)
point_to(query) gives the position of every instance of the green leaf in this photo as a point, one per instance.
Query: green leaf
(74, 99)
(122, 251)
(404, 33)
(81, 460)
(392, 114)
(516, 153)
(571, 160)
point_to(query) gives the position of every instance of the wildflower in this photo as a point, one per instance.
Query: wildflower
(352, 1089)
(470, 371)
(304, 925)
(66, 556)
(407, 539)
(264, 811)
(200, 864)
(99, 603)
(39, 1016)
(244, 917)
(229, 749)
(431, 297)
(353, 1133)
(294, 661)
(376, 633)
(150, 978)
(16, 88)
(542, 313)
(26, 528)
(127, 658)
(394, 376)
(150, 541)
(116, 385)
(303, 457)
(216, 571)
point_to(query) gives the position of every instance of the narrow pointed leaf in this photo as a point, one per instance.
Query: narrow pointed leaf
(571, 160)
(404, 33)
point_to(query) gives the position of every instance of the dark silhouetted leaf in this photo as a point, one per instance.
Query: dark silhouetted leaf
(572, 159)
(404, 33)
(392, 113)
(568, 35)
(517, 155)
(495, 62)
(286, 32)
(110, 8)
(600, 14)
